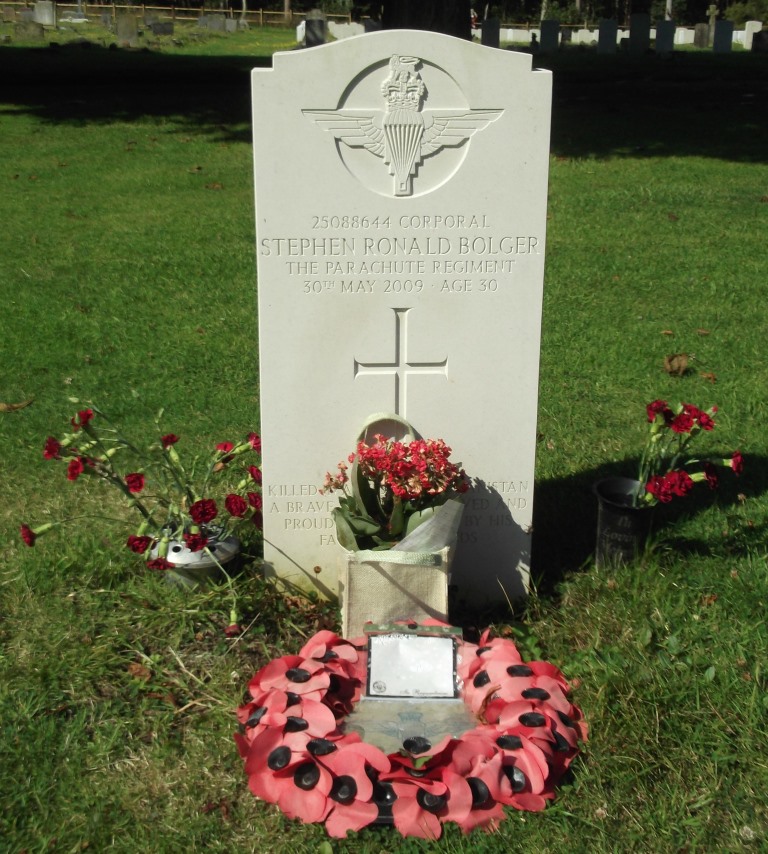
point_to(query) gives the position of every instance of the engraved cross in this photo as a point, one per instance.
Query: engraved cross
(401, 367)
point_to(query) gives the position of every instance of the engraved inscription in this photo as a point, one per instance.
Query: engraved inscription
(403, 134)
(401, 368)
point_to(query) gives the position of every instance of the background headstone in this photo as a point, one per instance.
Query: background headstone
(45, 13)
(606, 42)
(216, 23)
(760, 42)
(314, 29)
(665, 37)
(230, 25)
(750, 28)
(639, 33)
(127, 30)
(490, 32)
(29, 31)
(27, 16)
(162, 28)
(106, 19)
(723, 40)
(550, 36)
(701, 35)
(9, 14)
(405, 280)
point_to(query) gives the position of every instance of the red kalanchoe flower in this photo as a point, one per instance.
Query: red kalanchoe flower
(159, 563)
(52, 449)
(135, 482)
(75, 468)
(203, 511)
(255, 441)
(195, 542)
(236, 505)
(737, 462)
(168, 440)
(225, 447)
(255, 473)
(28, 535)
(83, 417)
(139, 545)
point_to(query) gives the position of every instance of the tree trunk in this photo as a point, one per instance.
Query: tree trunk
(441, 16)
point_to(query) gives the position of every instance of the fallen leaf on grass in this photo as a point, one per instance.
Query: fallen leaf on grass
(672, 217)
(215, 185)
(764, 199)
(667, 332)
(138, 671)
(708, 599)
(13, 407)
(702, 331)
(195, 169)
(708, 376)
(676, 364)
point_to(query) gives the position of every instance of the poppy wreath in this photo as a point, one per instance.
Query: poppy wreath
(298, 756)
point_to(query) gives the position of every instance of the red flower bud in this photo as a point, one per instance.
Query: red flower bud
(28, 535)
(134, 482)
(168, 440)
(75, 468)
(83, 417)
(52, 449)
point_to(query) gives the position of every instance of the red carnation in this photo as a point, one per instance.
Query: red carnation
(255, 500)
(737, 462)
(232, 630)
(658, 406)
(168, 440)
(83, 417)
(255, 473)
(52, 449)
(711, 474)
(195, 542)
(706, 422)
(159, 563)
(75, 468)
(682, 423)
(236, 505)
(139, 545)
(203, 511)
(134, 482)
(226, 447)
(255, 441)
(28, 535)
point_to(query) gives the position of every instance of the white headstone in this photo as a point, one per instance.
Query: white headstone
(750, 28)
(401, 182)
(606, 42)
(45, 13)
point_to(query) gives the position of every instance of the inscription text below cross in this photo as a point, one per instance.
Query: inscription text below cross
(401, 368)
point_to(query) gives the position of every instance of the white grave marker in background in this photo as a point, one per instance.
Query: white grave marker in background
(401, 183)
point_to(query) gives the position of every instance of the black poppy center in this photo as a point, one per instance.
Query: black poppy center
(329, 656)
(480, 792)
(306, 776)
(509, 742)
(515, 777)
(481, 678)
(429, 802)
(417, 744)
(294, 724)
(519, 670)
(384, 794)
(255, 716)
(320, 747)
(532, 719)
(291, 698)
(279, 758)
(480, 650)
(344, 789)
(535, 694)
(298, 675)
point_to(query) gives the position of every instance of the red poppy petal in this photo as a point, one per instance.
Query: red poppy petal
(412, 820)
(354, 816)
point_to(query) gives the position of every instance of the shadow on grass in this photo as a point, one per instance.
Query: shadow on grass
(691, 103)
(565, 519)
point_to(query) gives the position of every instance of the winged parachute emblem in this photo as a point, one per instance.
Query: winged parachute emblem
(403, 134)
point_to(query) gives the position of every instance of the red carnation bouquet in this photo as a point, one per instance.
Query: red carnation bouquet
(666, 469)
(193, 503)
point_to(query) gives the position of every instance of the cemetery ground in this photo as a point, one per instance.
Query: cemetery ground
(128, 280)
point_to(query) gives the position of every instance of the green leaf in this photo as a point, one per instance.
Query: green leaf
(418, 518)
(709, 673)
(362, 490)
(397, 519)
(344, 532)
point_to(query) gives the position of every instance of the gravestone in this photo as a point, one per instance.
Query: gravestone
(606, 40)
(760, 42)
(490, 34)
(639, 33)
(162, 28)
(27, 16)
(9, 14)
(701, 35)
(45, 13)
(665, 37)
(230, 25)
(106, 19)
(314, 28)
(712, 12)
(29, 31)
(127, 30)
(550, 36)
(723, 40)
(750, 28)
(215, 23)
(398, 273)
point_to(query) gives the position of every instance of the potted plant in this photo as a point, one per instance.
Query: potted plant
(188, 514)
(398, 516)
(666, 471)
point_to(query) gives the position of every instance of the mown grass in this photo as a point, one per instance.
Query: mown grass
(127, 278)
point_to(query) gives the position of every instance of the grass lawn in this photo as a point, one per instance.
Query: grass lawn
(127, 278)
